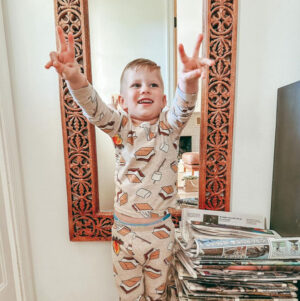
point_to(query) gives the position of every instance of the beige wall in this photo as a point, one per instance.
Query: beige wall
(70, 271)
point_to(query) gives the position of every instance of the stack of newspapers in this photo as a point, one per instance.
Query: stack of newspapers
(226, 256)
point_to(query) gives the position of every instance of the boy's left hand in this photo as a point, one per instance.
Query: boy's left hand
(193, 69)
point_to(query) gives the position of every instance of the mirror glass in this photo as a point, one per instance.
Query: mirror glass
(121, 31)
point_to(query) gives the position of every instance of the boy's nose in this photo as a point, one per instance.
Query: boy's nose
(145, 89)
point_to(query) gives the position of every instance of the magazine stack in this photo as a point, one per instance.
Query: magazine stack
(225, 256)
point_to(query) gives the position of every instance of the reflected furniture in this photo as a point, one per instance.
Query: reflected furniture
(191, 162)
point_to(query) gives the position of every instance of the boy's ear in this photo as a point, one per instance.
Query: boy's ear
(123, 103)
(164, 100)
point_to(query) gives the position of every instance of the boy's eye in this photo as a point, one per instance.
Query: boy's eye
(154, 85)
(136, 85)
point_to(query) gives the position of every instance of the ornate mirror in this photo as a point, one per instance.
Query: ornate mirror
(87, 219)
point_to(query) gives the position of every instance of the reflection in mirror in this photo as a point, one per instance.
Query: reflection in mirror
(188, 27)
(146, 30)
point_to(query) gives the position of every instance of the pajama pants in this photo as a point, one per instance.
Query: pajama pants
(142, 255)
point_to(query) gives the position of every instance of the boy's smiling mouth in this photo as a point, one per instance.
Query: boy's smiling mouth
(145, 100)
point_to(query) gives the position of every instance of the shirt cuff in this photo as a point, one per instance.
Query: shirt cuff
(82, 95)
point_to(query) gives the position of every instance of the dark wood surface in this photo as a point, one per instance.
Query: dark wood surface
(285, 209)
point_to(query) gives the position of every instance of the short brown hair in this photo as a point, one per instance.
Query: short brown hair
(140, 63)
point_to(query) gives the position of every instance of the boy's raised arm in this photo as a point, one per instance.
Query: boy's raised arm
(193, 69)
(93, 108)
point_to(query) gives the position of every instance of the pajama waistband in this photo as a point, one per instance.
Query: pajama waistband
(142, 225)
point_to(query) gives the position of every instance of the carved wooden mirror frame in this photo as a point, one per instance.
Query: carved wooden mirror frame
(86, 221)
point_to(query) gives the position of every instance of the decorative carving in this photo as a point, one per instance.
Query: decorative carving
(218, 106)
(86, 222)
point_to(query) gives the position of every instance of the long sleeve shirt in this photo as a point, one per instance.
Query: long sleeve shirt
(146, 154)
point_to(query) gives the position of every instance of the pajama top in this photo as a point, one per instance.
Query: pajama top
(146, 154)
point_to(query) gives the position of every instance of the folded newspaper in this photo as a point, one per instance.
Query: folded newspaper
(221, 224)
(226, 256)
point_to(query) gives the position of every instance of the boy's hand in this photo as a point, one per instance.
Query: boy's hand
(194, 68)
(64, 61)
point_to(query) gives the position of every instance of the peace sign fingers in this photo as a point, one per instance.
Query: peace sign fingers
(184, 58)
(66, 46)
(197, 47)
(61, 39)
(192, 62)
(71, 48)
(64, 61)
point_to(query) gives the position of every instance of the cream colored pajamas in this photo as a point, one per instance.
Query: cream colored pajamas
(146, 187)
(141, 259)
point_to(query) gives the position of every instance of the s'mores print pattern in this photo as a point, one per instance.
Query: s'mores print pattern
(146, 154)
(142, 256)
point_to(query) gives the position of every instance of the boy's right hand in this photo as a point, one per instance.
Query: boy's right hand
(64, 62)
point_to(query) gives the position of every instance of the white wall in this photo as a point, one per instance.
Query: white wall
(268, 58)
(76, 271)
(63, 270)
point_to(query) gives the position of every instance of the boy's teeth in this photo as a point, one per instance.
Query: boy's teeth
(145, 101)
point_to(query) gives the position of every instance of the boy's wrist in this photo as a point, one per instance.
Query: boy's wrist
(78, 82)
(189, 87)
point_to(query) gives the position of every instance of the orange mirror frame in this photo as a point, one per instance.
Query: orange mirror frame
(86, 221)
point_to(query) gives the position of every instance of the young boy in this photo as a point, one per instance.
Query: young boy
(146, 136)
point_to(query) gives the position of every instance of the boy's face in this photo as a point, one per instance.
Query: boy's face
(142, 94)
